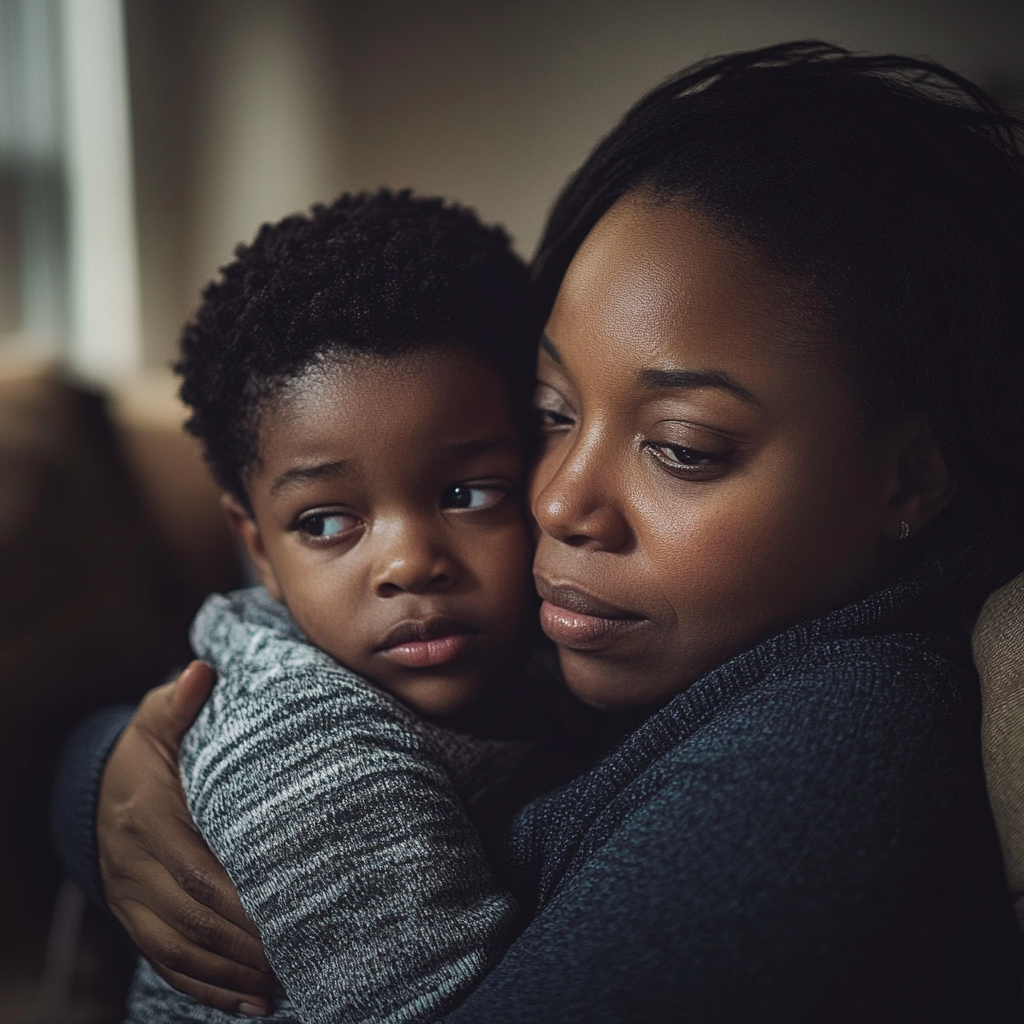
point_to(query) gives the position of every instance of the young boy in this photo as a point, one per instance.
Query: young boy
(359, 378)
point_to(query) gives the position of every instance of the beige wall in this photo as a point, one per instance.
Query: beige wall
(247, 109)
(237, 120)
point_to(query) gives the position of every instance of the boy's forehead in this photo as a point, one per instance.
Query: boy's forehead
(442, 401)
(347, 374)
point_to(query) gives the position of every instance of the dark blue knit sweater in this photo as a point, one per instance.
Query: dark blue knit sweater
(802, 835)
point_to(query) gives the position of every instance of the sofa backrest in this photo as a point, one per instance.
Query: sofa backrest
(998, 642)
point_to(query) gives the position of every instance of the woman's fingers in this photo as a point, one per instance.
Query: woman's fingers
(154, 910)
(167, 711)
(169, 950)
(174, 899)
(190, 691)
(151, 856)
(183, 887)
(214, 909)
(221, 998)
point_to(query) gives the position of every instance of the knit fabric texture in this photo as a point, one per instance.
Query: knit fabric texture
(801, 835)
(345, 823)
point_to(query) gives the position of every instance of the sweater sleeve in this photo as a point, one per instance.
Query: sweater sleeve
(348, 845)
(820, 850)
(75, 793)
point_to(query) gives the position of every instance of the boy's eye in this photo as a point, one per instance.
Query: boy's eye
(325, 525)
(474, 497)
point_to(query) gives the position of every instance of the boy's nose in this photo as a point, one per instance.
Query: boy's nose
(411, 562)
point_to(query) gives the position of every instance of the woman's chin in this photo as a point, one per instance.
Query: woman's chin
(607, 685)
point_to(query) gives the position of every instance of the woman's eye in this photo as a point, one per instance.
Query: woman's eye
(326, 525)
(551, 409)
(473, 497)
(549, 420)
(685, 461)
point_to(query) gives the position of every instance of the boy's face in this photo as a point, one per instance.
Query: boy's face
(388, 517)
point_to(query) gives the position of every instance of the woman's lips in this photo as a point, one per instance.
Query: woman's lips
(575, 619)
(427, 643)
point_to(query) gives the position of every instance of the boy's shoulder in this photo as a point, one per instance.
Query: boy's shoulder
(280, 700)
(275, 690)
(255, 646)
(250, 608)
(270, 675)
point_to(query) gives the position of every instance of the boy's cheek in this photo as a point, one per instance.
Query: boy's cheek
(513, 586)
(506, 562)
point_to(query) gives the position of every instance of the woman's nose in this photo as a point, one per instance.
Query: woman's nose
(575, 499)
(411, 561)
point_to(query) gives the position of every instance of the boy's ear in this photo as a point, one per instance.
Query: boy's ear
(923, 486)
(244, 526)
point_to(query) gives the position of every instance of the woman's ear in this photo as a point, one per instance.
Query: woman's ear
(923, 485)
(244, 526)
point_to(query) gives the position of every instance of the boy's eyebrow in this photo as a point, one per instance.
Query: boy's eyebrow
(549, 346)
(303, 474)
(690, 380)
(479, 446)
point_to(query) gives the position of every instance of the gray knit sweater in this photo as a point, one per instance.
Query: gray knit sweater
(345, 823)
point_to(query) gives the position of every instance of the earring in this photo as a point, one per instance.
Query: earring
(904, 529)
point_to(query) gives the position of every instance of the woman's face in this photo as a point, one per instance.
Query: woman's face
(706, 478)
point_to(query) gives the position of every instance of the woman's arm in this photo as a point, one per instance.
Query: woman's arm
(124, 833)
(73, 803)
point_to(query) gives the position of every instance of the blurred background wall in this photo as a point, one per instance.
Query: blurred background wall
(140, 140)
(244, 110)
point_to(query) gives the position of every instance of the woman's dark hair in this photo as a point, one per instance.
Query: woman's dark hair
(379, 273)
(897, 188)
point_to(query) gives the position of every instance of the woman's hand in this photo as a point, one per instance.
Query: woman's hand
(160, 880)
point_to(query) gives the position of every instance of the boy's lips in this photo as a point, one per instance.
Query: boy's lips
(427, 643)
(575, 619)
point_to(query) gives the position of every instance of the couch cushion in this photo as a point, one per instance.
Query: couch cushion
(92, 610)
(998, 642)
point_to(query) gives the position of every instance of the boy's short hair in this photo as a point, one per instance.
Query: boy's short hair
(380, 273)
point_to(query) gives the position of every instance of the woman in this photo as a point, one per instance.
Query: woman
(779, 386)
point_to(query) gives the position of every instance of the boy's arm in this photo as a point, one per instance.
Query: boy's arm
(350, 850)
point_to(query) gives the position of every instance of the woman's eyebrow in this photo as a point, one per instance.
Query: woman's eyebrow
(547, 345)
(689, 380)
(304, 474)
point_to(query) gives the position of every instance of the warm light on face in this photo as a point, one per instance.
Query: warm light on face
(388, 516)
(705, 478)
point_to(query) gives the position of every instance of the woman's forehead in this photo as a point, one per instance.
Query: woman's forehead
(658, 283)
